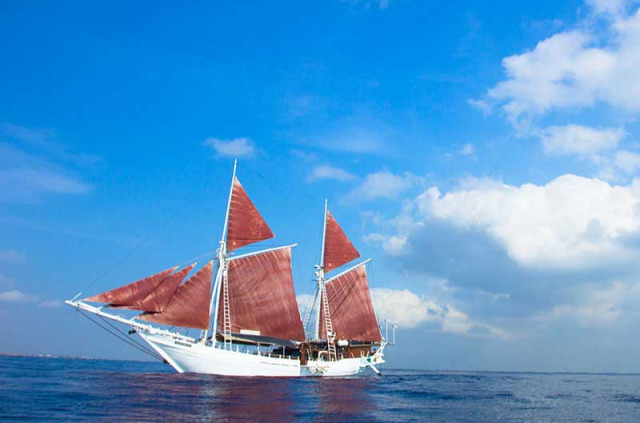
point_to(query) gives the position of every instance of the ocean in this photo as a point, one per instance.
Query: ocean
(66, 390)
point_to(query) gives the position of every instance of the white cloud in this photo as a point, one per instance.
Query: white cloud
(382, 184)
(627, 161)
(329, 172)
(467, 150)
(12, 256)
(576, 68)
(570, 222)
(614, 7)
(403, 307)
(407, 310)
(598, 307)
(51, 304)
(15, 296)
(26, 184)
(236, 148)
(481, 105)
(579, 140)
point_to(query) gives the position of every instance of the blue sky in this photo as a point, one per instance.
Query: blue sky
(484, 155)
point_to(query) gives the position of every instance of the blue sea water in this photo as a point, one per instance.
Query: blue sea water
(64, 390)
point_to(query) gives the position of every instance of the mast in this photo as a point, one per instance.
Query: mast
(222, 264)
(320, 274)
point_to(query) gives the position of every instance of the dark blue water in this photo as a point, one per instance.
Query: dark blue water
(57, 389)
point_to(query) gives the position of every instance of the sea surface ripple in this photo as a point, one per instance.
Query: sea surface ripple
(65, 390)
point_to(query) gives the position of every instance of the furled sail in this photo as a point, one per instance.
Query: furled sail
(262, 300)
(246, 225)
(189, 306)
(158, 299)
(338, 250)
(352, 314)
(129, 295)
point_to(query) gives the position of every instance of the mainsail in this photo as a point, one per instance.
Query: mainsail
(246, 225)
(262, 300)
(189, 306)
(129, 296)
(338, 250)
(352, 314)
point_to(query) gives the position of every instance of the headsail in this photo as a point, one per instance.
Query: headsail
(158, 299)
(246, 225)
(262, 300)
(130, 295)
(189, 306)
(338, 250)
(352, 314)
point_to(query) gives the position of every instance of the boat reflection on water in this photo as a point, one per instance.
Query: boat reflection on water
(200, 398)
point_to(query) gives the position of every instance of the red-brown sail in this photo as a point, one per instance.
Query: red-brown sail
(189, 306)
(352, 314)
(128, 295)
(158, 299)
(246, 225)
(338, 250)
(262, 300)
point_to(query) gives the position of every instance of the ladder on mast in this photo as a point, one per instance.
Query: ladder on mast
(328, 326)
(226, 314)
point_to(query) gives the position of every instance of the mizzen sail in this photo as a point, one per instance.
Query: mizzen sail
(262, 300)
(246, 225)
(352, 314)
(189, 306)
(338, 249)
(130, 295)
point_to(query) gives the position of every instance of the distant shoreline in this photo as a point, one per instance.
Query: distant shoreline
(69, 357)
(66, 357)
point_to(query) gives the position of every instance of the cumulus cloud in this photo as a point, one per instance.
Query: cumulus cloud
(407, 310)
(383, 184)
(329, 172)
(571, 221)
(580, 140)
(576, 68)
(598, 307)
(236, 148)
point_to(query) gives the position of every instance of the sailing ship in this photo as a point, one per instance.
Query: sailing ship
(247, 312)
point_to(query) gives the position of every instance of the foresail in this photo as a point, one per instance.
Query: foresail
(338, 249)
(262, 300)
(129, 295)
(246, 225)
(189, 306)
(158, 299)
(352, 314)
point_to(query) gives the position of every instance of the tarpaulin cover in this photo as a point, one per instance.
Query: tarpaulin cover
(246, 225)
(352, 314)
(261, 296)
(189, 306)
(129, 295)
(338, 250)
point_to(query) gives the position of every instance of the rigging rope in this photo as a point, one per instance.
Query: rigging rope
(118, 335)
(148, 238)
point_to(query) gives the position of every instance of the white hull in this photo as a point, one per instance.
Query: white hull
(186, 357)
